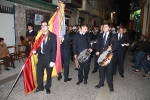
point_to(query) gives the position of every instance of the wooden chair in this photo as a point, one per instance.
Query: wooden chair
(12, 51)
(21, 52)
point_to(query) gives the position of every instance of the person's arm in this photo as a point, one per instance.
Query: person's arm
(54, 49)
(114, 42)
(75, 46)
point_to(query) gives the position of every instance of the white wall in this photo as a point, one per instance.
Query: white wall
(7, 28)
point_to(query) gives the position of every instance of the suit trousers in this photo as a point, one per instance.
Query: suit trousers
(40, 73)
(65, 64)
(96, 65)
(106, 71)
(120, 62)
(86, 67)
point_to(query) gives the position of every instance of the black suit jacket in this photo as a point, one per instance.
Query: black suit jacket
(111, 40)
(125, 39)
(50, 51)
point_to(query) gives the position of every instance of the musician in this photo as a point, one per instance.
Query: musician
(123, 43)
(103, 43)
(46, 58)
(81, 42)
(31, 33)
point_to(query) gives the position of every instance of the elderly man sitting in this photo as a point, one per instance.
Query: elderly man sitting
(4, 55)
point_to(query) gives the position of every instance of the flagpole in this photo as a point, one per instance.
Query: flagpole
(14, 83)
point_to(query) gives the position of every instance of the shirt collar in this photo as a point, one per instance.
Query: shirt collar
(30, 31)
(81, 33)
(106, 33)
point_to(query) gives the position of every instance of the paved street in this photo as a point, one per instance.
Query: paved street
(132, 87)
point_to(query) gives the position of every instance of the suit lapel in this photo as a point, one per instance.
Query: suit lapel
(48, 39)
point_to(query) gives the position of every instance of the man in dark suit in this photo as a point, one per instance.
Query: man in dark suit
(65, 55)
(123, 43)
(103, 43)
(46, 58)
(81, 42)
(31, 33)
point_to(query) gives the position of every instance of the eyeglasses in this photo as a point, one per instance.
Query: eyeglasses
(44, 25)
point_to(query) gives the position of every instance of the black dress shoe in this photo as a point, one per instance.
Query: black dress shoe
(94, 71)
(37, 90)
(79, 82)
(48, 91)
(76, 69)
(85, 81)
(13, 66)
(122, 76)
(111, 90)
(59, 77)
(7, 68)
(69, 79)
(99, 85)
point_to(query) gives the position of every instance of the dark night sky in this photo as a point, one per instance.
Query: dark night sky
(124, 11)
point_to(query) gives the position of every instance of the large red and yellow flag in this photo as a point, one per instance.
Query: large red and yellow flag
(29, 71)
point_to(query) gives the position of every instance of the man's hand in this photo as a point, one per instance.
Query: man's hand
(34, 52)
(109, 48)
(97, 53)
(75, 56)
(127, 44)
(90, 49)
(51, 64)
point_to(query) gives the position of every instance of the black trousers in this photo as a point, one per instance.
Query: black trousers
(83, 70)
(106, 71)
(65, 64)
(40, 73)
(120, 61)
(28, 48)
(96, 65)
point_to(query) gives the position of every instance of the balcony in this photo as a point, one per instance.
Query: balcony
(74, 3)
(86, 7)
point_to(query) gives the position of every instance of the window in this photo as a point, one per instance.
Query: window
(30, 17)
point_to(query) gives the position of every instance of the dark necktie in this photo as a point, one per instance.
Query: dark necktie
(44, 44)
(104, 39)
(120, 37)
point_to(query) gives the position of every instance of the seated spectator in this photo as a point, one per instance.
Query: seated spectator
(142, 50)
(4, 55)
(135, 45)
(145, 63)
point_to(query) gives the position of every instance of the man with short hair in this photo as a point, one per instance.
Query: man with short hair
(81, 42)
(106, 41)
(29, 33)
(123, 43)
(46, 58)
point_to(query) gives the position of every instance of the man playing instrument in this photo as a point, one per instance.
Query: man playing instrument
(106, 41)
(30, 33)
(81, 42)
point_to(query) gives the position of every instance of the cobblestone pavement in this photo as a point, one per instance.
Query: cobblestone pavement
(132, 87)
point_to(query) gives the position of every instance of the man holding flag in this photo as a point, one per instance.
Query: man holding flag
(46, 58)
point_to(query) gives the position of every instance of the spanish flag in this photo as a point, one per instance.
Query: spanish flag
(56, 26)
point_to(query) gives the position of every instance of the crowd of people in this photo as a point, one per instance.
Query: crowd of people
(96, 40)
